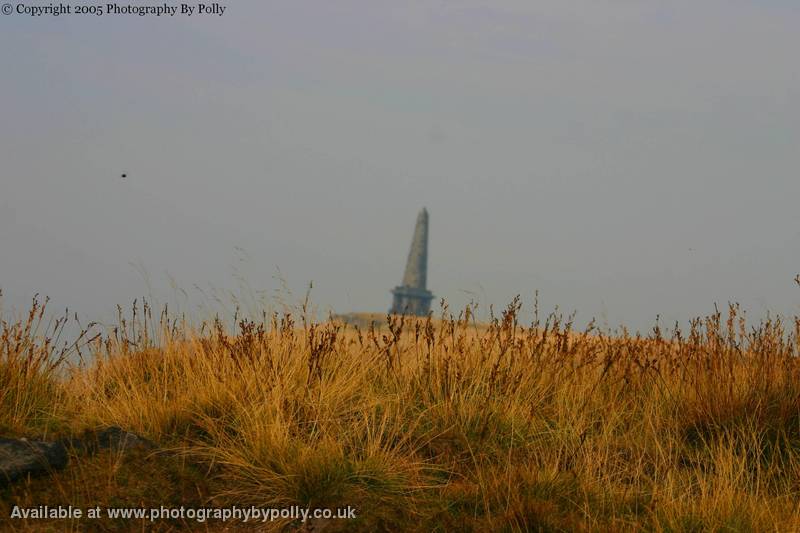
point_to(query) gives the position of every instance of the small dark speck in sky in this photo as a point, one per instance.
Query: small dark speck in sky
(124, 175)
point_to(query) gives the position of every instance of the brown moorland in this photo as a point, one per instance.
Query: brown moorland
(420, 424)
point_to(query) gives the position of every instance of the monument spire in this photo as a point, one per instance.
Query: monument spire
(413, 297)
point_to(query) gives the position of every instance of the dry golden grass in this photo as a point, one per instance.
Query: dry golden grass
(424, 425)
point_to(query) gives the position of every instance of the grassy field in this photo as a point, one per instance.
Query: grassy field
(421, 425)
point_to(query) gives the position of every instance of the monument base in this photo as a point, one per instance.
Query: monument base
(411, 301)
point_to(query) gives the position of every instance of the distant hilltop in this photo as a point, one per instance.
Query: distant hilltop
(362, 320)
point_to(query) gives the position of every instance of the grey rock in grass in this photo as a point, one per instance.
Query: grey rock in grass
(117, 439)
(20, 458)
(112, 438)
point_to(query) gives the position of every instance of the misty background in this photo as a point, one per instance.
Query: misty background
(624, 158)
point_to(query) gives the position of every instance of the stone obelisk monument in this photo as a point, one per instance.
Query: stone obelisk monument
(413, 297)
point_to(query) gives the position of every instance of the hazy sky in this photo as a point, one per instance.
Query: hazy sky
(626, 158)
